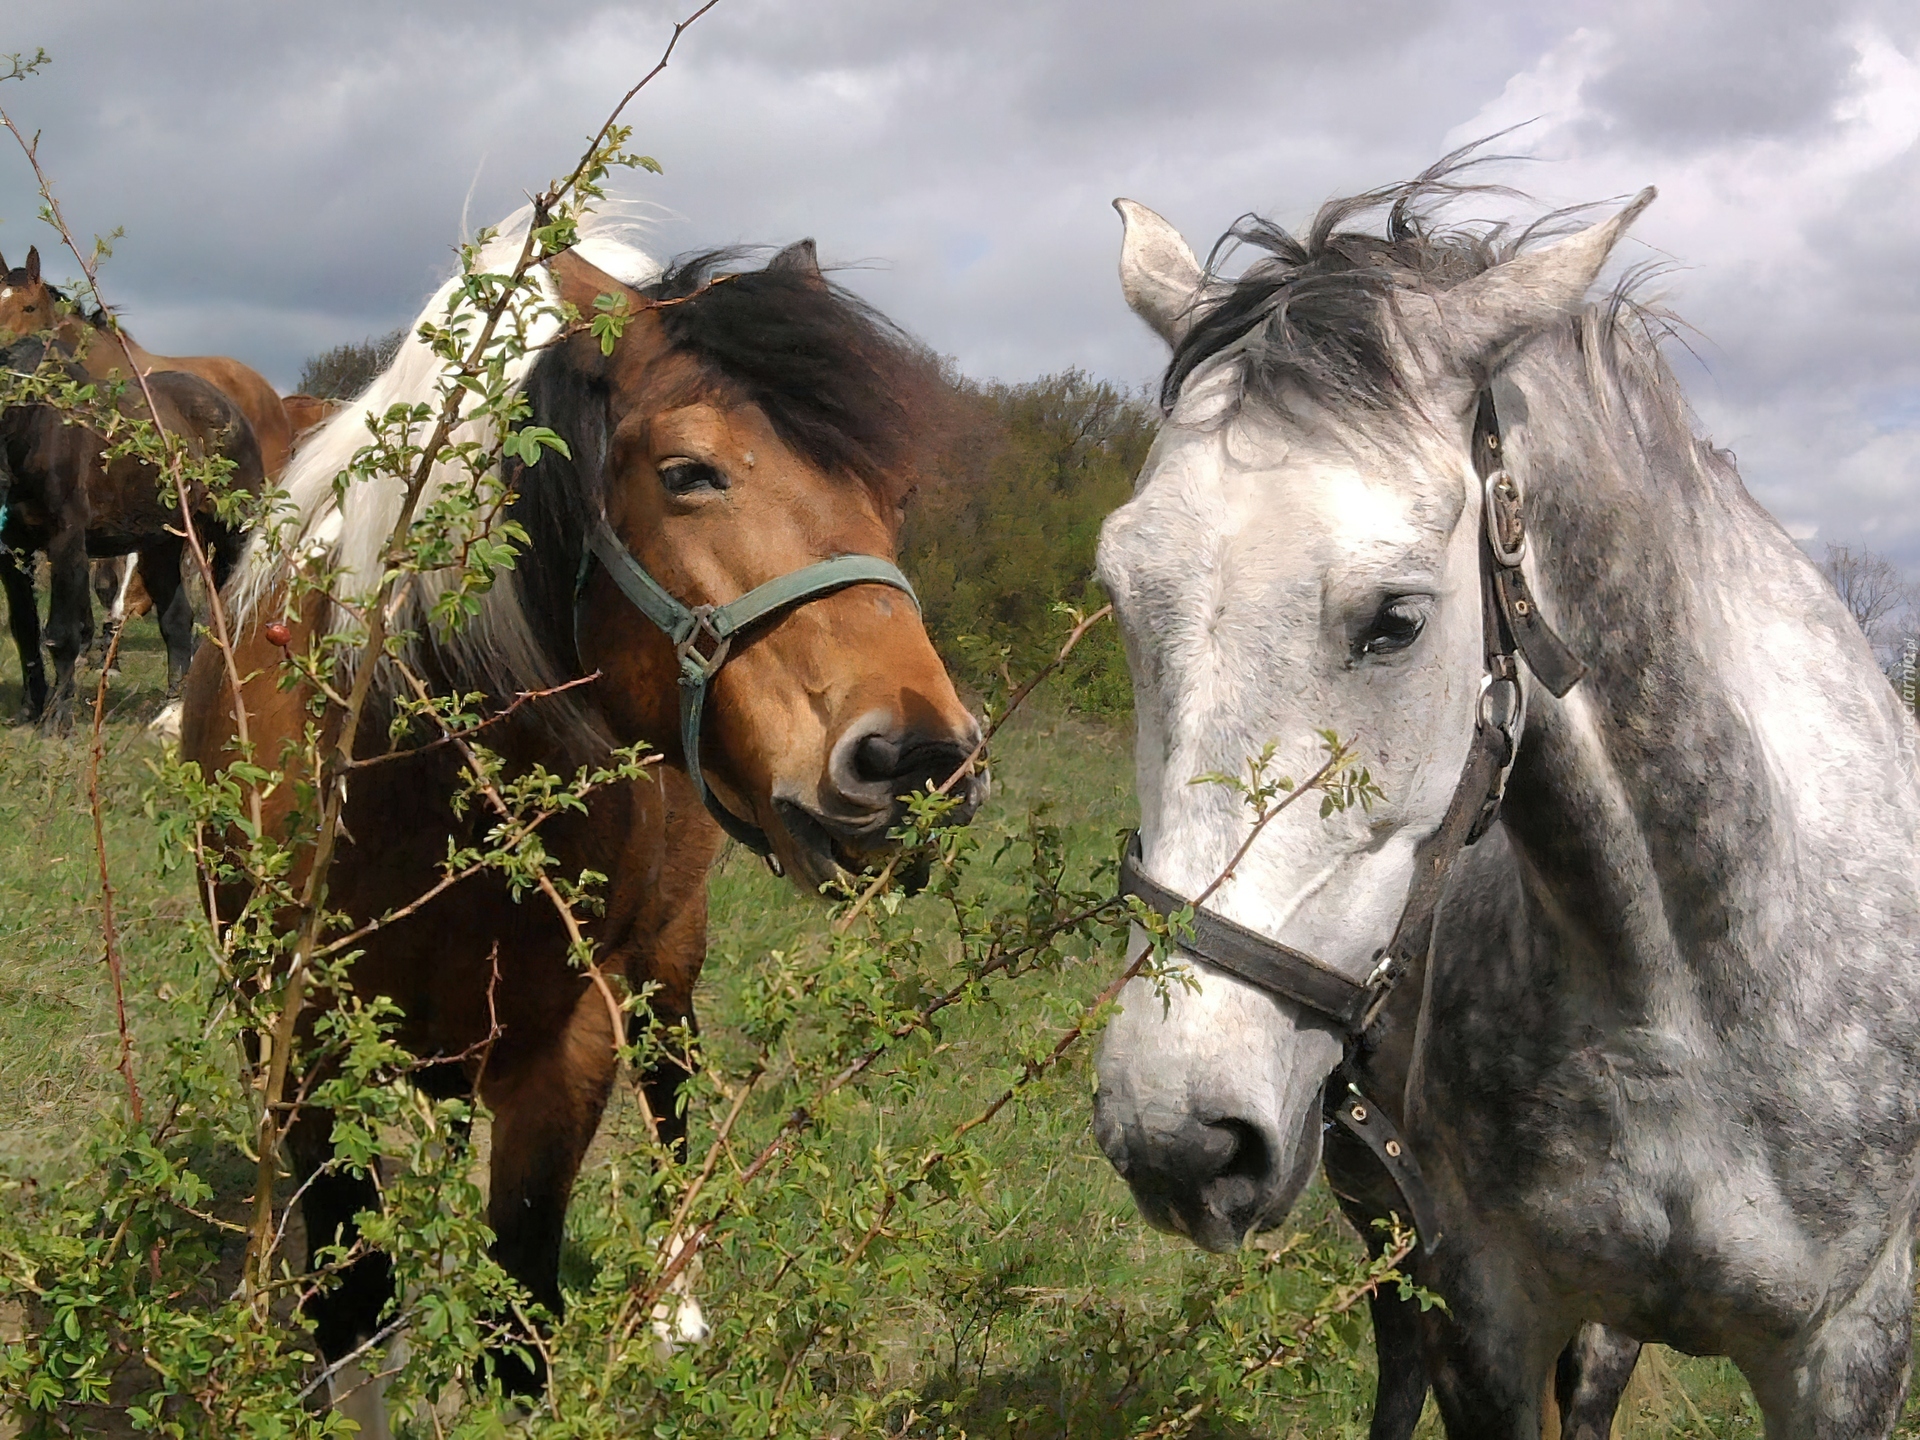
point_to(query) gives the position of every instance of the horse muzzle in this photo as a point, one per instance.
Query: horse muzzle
(863, 797)
(1213, 1178)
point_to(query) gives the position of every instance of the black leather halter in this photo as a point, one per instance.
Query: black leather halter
(1512, 630)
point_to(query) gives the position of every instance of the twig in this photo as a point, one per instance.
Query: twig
(96, 754)
(965, 767)
(525, 697)
(1267, 816)
(335, 768)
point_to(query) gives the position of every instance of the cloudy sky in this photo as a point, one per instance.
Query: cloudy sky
(289, 177)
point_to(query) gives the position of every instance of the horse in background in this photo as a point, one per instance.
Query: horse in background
(1658, 1063)
(28, 306)
(122, 597)
(307, 413)
(67, 497)
(752, 430)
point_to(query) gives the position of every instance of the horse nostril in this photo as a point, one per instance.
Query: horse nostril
(882, 765)
(1240, 1163)
(876, 759)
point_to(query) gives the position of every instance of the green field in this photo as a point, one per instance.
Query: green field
(1036, 1313)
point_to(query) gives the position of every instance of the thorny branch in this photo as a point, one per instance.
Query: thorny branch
(965, 767)
(109, 929)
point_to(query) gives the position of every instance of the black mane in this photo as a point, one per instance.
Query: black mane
(1313, 316)
(822, 364)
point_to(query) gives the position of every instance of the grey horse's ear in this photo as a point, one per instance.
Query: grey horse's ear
(1158, 274)
(800, 257)
(1502, 306)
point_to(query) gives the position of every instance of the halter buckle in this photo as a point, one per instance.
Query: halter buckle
(1506, 528)
(698, 666)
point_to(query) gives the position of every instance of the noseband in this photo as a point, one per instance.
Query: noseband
(1512, 630)
(702, 636)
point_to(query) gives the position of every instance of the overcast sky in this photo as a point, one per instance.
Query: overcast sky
(293, 176)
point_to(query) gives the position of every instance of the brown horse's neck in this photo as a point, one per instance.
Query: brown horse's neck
(96, 348)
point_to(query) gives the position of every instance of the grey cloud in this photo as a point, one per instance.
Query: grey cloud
(292, 179)
(1682, 73)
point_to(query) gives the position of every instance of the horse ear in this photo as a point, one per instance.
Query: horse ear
(1483, 316)
(33, 264)
(800, 258)
(581, 283)
(1158, 274)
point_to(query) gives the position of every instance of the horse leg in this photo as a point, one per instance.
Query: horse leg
(1845, 1378)
(69, 621)
(1589, 1380)
(224, 546)
(1489, 1356)
(1365, 1192)
(23, 617)
(546, 1104)
(347, 1312)
(160, 565)
(664, 964)
(126, 571)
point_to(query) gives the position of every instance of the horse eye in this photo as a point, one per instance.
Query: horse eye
(682, 477)
(1395, 626)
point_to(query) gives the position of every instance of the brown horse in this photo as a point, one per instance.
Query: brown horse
(122, 595)
(67, 495)
(28, 306)
(753, 429)
(306, 413)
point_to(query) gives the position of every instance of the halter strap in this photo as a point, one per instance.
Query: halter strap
(702, 635)
(1512, 629)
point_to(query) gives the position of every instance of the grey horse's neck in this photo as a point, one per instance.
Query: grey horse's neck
(1681, 816)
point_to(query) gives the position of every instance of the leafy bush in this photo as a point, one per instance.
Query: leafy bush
(1002, 534)
(344, 371)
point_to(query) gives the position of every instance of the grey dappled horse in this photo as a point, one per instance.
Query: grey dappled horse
(1662, 1068)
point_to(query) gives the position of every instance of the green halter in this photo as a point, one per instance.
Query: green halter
(690, 627)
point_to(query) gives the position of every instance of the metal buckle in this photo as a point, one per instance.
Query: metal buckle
(698, 666)
(1503, 709)
(1382, 981)
(1506, 528)
(1503, 706)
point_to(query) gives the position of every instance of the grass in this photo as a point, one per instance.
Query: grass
(1020, 1325)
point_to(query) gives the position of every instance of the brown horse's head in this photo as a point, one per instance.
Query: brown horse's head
(743, 428)
(28, 305)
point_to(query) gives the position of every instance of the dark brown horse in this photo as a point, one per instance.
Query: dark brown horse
(750, 431)
(28, 306)
(66, 495)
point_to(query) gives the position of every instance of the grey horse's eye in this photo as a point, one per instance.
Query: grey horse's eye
(1394, 626)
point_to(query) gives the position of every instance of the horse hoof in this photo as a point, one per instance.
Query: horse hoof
(677, 1321)
(165, 727)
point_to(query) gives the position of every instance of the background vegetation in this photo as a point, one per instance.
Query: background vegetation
(344, 371)
(1002, 531)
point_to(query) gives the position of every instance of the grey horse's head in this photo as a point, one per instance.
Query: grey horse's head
(1300, 553)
